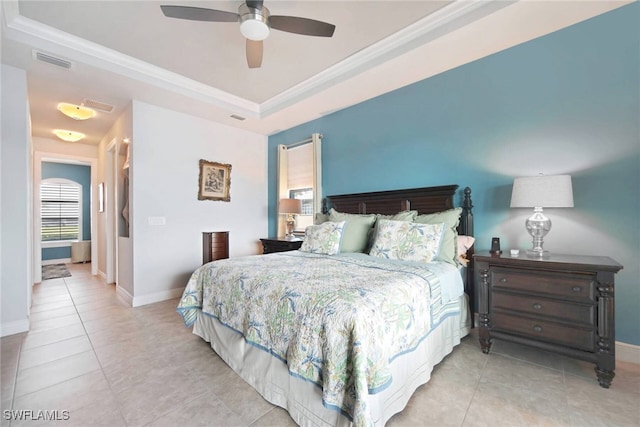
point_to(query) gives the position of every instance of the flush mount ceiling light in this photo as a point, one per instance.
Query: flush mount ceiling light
(68, 135)
(76, 112)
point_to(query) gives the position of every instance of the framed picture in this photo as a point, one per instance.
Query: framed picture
(215, 181)
(101, 197)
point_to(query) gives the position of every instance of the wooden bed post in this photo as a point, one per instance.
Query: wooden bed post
(466, 228)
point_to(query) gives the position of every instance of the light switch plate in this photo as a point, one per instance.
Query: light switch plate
(157, 220)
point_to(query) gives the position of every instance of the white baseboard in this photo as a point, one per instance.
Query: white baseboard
(157, 297)
(15, 327)
(124, 294)
(56, 261)
(102, 274)
(137, 301)
(627, 352)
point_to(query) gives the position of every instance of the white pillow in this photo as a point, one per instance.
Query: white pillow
(324, 238)
(407, 241)
(464, 244)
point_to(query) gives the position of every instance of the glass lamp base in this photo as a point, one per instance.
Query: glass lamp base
(531, 253)
(291, 224)
(538, 226)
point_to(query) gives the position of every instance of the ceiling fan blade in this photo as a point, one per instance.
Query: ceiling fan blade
(304, 26)
(254, 53)
(256, 4)
(199, 14)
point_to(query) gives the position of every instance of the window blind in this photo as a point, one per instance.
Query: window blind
(60, 211)
(300, 167)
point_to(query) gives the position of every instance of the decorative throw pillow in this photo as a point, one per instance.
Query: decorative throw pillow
(323, 239)
(407, 241)
(400, 216)
(357, 230)
(451, 218)
(464, 244)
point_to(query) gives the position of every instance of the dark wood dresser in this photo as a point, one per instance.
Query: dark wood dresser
(279, 244)
(215, 245)
(563, 304)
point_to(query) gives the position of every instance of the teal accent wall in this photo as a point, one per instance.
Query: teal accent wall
(82, 175)
(567, 102)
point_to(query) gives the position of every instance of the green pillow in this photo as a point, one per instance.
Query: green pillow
(357, 230)
(400, 216)
(320, 218)
(449, 245)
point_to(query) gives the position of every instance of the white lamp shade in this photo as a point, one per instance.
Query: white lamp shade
(254, 30)
(544, 191)
(290, 206)
(254, 22)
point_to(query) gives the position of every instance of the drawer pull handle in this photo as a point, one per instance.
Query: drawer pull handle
(576, 288)
(503, 280)
(537, 306)
(537, 328)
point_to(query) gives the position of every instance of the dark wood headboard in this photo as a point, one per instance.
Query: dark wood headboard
(424, 200)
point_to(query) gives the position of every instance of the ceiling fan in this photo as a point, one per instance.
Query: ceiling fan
(255, 23)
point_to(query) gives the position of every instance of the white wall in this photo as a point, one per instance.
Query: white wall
(121, 129)
(15, 200)
(166, 149)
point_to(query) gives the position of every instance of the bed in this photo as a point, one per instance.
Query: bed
(341, 335)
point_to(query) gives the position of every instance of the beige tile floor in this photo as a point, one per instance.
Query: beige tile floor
(112, 365)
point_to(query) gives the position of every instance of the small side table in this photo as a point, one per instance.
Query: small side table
(280, 244)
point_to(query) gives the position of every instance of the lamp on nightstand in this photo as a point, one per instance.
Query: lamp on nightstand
(537, 192)
(290, 207)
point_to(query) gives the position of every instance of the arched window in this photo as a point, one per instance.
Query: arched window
(61, 210)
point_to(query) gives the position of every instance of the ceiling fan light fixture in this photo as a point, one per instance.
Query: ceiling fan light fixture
(254, 22)
(68, 135)
(76, 112)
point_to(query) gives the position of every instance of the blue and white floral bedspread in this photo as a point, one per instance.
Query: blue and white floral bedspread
(335, 321)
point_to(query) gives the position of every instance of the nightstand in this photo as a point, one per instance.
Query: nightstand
(563, 304)
(280, 244)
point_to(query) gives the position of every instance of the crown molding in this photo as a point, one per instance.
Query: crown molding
(432, 26)
(52, 40)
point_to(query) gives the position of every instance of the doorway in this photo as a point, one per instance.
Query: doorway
(39, 158)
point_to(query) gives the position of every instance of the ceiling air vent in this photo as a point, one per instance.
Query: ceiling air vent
(97, 105)
(237, 117)
(52, 60)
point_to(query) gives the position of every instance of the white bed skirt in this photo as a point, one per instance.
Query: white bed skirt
(303, 399)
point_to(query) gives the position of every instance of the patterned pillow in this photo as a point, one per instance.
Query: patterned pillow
(400, 216)
(451, 219)
(323, 239)
(407, 241)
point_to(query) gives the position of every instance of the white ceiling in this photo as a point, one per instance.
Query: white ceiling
(124, 50)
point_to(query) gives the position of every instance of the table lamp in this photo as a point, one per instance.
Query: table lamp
(290, 207)
(538, 192)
